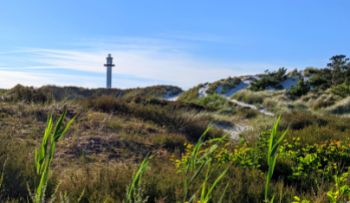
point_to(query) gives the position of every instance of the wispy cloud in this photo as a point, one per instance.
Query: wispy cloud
(139, 62)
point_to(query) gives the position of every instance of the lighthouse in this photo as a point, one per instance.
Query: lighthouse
(109, 64)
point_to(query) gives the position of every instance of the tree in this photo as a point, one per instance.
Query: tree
(339, 65)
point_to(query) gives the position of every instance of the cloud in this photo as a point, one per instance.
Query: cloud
(138, 62)
(36, 79)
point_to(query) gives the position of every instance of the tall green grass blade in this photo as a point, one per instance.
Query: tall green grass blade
(207, 190)
(81, 196)
(44, 154)
(272, 153)
(216, 182)
(42, 150)
(133, 188)
(197, 161)
(223, 193)
(69, 123)
(192, 163)
(198, 171)
(58, 130)
(204, 184)
(40, 191)
(2, 174)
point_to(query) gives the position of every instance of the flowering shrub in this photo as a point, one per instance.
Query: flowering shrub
(316, 160)
(341, 191)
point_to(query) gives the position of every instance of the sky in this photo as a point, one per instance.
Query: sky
(154, 42)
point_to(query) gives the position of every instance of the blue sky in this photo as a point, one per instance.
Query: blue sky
(164, 42)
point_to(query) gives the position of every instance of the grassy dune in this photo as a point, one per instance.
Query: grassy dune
(134, 146)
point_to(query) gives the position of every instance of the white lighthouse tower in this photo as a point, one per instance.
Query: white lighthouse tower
(109, 64)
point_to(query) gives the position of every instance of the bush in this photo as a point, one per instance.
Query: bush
(27, 95)
(212, 102)
(300, 89)
(225, 84)
(342, 90)
(309, 71)
(321, 79)
(270, 79)
(189, 95)
(249, 97)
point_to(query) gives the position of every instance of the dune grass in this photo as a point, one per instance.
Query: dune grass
(223, 170)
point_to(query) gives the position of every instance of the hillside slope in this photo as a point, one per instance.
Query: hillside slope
(116, 129)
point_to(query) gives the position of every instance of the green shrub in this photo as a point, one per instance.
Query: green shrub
(269, 79)
(321, 79)
(27, 95)
(312, 163)
(249, 97)
(189, 95)
(225, 84)
(300, 89)
(212, 102)
(341, 191)
(309, 71)
(342, 90)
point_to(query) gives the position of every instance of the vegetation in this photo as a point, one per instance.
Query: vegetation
(134, 146)
(321, 79)
(223, 86)
(212, 102)
(300, 89)
(336, 73)
(272, 154)
(250, 97)
(340, 68)
(45, 153)
(48, 94)
(211, 168)
(269, 80)
(190, 95)
(342, 90)
(134, 192)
